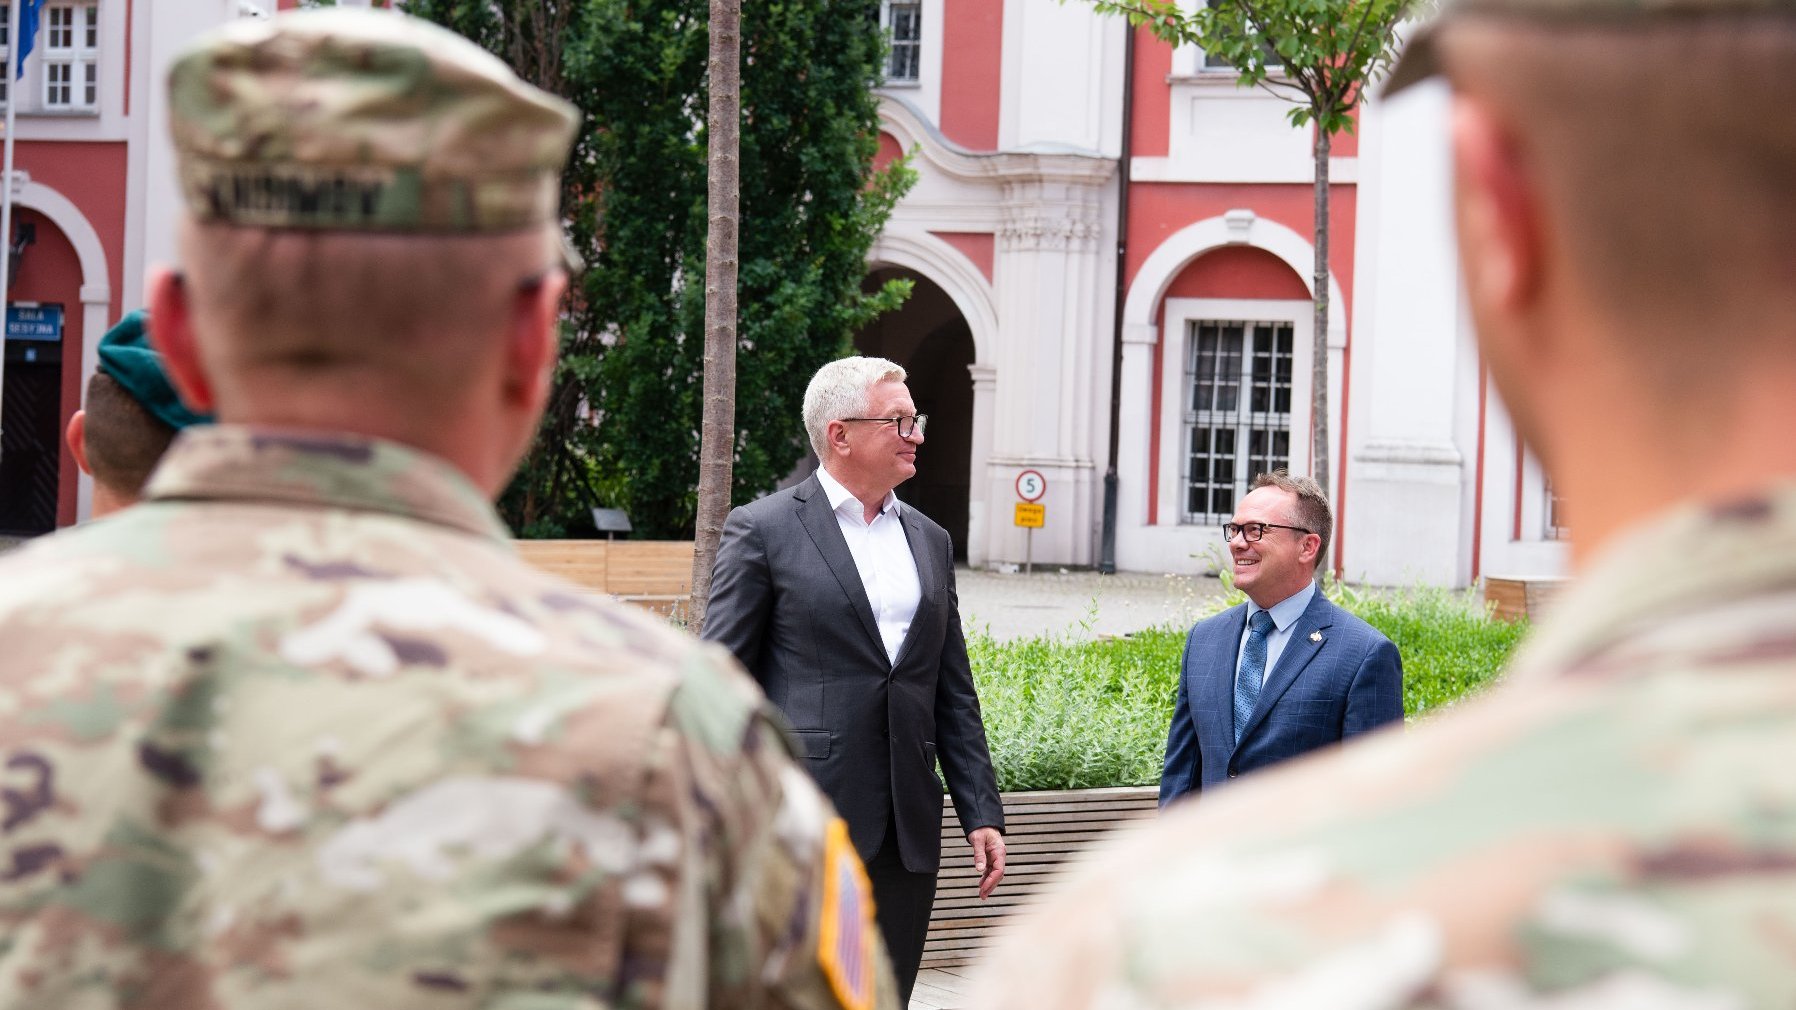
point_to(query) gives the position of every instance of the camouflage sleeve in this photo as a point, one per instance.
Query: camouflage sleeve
(768, 873)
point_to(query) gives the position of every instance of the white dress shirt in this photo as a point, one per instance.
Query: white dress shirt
(882, 557)
(1284, 616)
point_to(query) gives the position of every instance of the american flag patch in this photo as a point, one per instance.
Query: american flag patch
(845, 932)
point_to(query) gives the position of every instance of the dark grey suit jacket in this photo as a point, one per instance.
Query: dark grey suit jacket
(787, 599)
(1338, 677)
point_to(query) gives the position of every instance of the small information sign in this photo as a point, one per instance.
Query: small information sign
(1032, 516)
(34, 322)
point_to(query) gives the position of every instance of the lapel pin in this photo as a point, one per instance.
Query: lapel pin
(1315, 636)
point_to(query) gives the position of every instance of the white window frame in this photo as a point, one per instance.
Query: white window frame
(1239, 419)
(1177, 315)
(915, 45)
(70, 57)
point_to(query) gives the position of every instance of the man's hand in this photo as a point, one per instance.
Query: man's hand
(988, 859)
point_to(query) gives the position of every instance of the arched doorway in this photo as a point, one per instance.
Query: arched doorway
(43, 378)
(931, 339)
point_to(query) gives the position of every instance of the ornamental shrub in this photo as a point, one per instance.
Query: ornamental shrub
(1071, 714)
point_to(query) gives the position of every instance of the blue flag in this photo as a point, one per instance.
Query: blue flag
(27, 32)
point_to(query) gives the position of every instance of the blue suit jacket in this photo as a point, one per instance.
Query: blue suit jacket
(1338, 677)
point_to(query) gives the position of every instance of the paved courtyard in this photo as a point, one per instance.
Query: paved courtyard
(1079, 604)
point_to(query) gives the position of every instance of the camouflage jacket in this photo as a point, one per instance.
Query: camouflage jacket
(302, 731)
(1615, 827)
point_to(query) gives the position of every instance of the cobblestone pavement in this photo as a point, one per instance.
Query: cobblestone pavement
(1079, 604)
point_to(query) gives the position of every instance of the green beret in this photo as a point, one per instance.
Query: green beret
(362, 120)
(1421, 57)
(126, 356)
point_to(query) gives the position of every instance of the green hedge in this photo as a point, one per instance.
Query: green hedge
(1062, 714)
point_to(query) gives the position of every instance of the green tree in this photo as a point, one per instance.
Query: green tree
(622, 428)
(1318, 54)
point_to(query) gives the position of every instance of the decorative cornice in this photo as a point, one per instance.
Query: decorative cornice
(1036, 230)
(914, 133)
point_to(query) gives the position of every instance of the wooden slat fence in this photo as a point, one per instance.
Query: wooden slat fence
(655, 574)
(1045, 832)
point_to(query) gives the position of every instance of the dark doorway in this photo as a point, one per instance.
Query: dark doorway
(930, 338)
(30, 437)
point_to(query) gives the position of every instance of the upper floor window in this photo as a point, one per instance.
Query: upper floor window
(6, 60)
(903, 22)
(71, 45)
(1209, 62)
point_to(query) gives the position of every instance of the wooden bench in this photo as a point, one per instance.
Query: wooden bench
(1518, 599)
(654, 574)
(1045, 832)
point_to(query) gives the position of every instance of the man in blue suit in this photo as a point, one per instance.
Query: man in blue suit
(1286, 672)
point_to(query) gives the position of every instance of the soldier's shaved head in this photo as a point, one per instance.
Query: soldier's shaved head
(1664, 156)
(337, 310)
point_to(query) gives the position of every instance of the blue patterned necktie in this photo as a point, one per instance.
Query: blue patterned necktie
(1253, 670)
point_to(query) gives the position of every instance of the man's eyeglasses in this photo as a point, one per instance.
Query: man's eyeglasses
(908, 424)
(1252, 532)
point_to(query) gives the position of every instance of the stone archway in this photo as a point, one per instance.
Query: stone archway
(932, 340)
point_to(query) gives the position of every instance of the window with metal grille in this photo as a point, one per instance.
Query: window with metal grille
(71, 56)
(5, 61)
(1238, 414)
(903, 20)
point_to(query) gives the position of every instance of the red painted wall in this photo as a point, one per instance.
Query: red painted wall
(972, 71)
(978, 246)
(889, 151)
(92, 176)
(1238, 272)
(1158, 209)
(1150, 119)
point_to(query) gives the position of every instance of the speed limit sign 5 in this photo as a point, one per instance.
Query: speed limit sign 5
(1031, 485)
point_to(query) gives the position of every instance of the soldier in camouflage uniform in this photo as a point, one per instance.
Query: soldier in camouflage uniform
(301, 730)
(1615, 827)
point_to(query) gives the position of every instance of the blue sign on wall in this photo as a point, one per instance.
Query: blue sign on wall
(34, 322)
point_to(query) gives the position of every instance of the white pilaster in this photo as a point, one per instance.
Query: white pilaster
(1052, 282)
(1409, 518)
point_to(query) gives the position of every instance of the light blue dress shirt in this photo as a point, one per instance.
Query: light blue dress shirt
(1284, 616)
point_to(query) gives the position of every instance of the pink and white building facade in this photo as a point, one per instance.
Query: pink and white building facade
(1012, 112)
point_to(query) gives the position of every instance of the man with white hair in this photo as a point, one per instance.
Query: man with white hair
(840, 600)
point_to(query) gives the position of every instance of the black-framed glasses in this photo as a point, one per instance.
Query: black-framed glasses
(908, 424)
(1252, 532)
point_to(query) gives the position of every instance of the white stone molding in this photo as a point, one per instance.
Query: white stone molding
(949, 269)
(1237, 227)
(914, 132)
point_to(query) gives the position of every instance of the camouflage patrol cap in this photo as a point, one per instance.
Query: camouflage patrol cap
(362, 120)
(1421, 57)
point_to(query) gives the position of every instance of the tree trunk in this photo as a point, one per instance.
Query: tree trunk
(1319, 358)
(717, 433)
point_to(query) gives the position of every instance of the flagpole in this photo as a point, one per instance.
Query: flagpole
(12, 104)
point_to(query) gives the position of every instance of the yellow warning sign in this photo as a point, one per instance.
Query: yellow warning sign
(1031, 515)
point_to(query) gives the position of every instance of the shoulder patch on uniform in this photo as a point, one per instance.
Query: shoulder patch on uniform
(845, 933)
